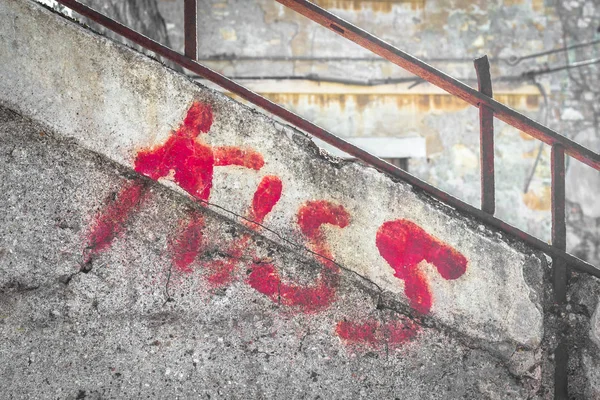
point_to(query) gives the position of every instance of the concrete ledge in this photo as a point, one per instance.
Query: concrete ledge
(135, 326)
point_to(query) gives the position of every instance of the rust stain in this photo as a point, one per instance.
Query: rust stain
(538, 199)
(418, 102)
(275, 12)
(383, 6)
(431, 102)
(539, 27)
(362, 101)
(519, 101)
(530, 154)
(433, 143)
(301, 43)
(525, 136)
(437, 17)
(538, 5)
(422, 103)
(342, 102)
(533, 101)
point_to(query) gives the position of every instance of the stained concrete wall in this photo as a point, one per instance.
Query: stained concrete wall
(111, 333)
(357, 283)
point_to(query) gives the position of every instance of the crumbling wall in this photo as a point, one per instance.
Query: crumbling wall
(135, 325)
(198, 240)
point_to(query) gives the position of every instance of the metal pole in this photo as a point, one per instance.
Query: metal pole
(559, 227)
(559, 272)
(486, 137)
(190, 28)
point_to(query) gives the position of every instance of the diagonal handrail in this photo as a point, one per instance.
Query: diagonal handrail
(332, 139)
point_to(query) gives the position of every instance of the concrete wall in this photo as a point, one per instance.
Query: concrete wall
(364, 278)
(111, 333)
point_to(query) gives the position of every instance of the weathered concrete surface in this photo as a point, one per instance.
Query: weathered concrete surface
(583, 331)
(111, 333)
(122, 105)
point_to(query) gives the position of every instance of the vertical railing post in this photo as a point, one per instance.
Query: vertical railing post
(559, 226)
(190, 28)
(486, 137)
(559, 270)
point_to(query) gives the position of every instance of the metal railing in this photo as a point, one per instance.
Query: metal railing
(481, 98)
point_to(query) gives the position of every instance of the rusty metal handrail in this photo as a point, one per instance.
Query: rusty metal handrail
(233, 87)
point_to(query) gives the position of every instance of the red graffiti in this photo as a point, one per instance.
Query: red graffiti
(316, 213)
(220, 273)
(265, 198)
(359, 332)
(186, 246)
(190, 162)
(404, 245)
(266, 279)
(110, 222)
(372, 333)
(235, 156)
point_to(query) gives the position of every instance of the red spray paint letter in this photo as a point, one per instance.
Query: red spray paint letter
(192, 163)
(110, 222)
(266, 279)
(403, 244)
(265, 198)
(185, 247)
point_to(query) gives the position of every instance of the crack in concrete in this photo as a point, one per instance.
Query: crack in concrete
(464, 340)
(302, 341)
(66, 278)
(18, 287)
(169, 298)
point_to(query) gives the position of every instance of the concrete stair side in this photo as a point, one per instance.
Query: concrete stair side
(288, 271)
